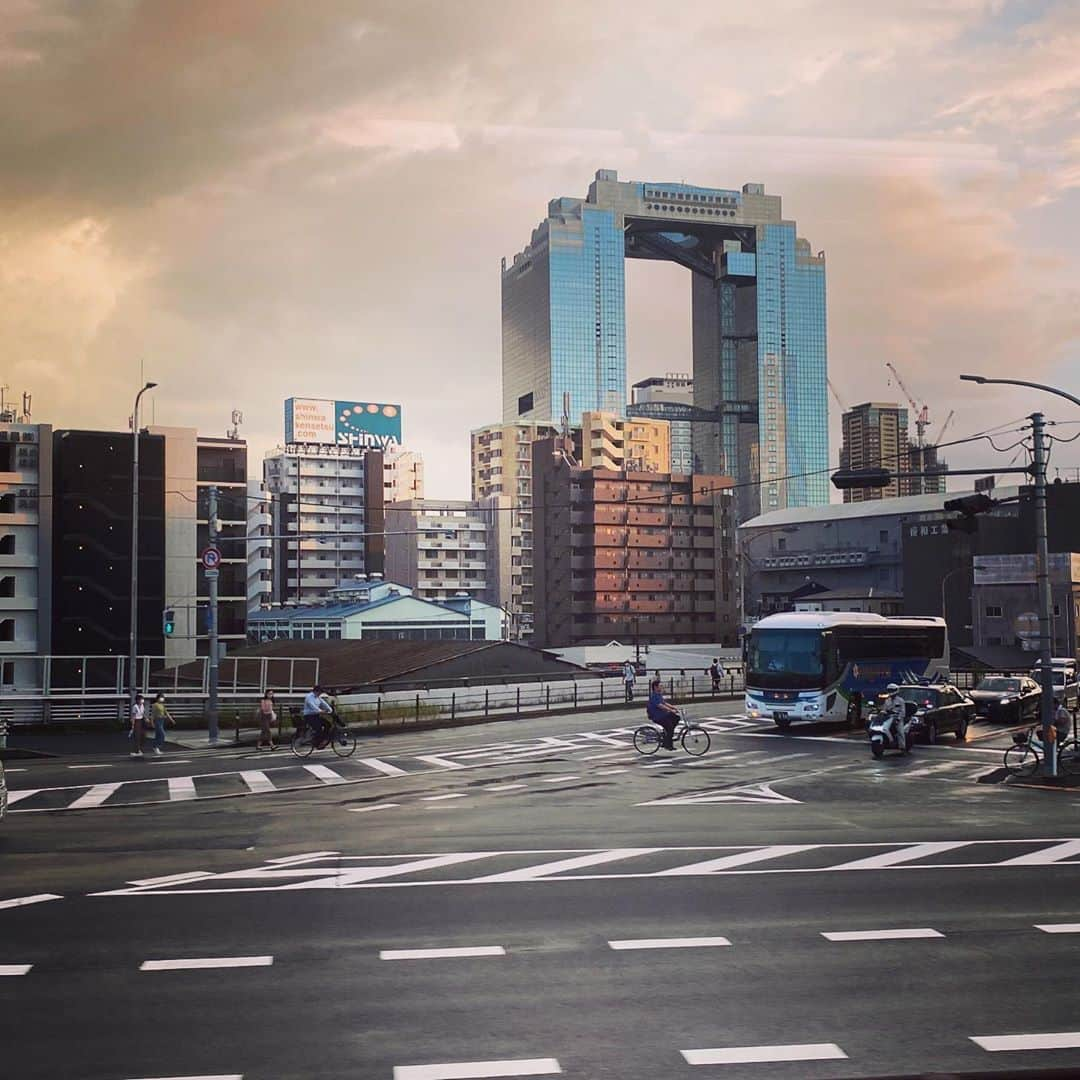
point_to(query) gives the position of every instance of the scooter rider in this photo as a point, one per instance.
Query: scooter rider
(895, 708)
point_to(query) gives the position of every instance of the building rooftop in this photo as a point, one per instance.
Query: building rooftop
(908, 504)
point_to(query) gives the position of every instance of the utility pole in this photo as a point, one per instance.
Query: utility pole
(133, 625)
(212, 616)
(1042, 587)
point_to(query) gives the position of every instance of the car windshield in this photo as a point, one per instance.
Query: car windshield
(1059, 678)
(1000, 686)
(921, 695)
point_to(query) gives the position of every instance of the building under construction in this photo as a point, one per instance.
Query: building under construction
(875, 436)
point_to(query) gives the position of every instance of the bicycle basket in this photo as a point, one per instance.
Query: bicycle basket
(1021, 737)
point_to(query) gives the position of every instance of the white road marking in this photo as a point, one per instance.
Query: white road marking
(467, 1070)
(216, 1076)
(311, 856)
(670, 943)
(439, 954)
(15, 969)
(610, 740)
(325, 774)
(1046, 856)
(504, 787)
(381, 766)
(1059, 928)
(558, 779)
(741, 1055)
(181, 788)
(440, 762)
(901, 855)
(930, 770)
(16, 770)
(257, 781)
(606, 756)
(94, 797)
(439, 798)
(109, 766)
(880, 935)
(755, 794)
(742, 858)
(206, 963)
(531, 873)
(1050, 1040)
(24, 901)
(17, 796)
(370, 809)
(347, 876)
(174, 879)
(166, 760)
(609, 772)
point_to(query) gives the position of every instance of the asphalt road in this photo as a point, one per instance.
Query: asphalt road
(532, 898)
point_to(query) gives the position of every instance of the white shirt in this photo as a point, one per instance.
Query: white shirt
(138, 712)
(628, 673)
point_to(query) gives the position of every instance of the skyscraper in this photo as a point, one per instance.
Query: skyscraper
(758, 310)
(875, 436)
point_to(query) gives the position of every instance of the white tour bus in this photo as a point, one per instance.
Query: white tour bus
(824, 665)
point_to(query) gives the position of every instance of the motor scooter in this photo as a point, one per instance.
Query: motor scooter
(882, 729)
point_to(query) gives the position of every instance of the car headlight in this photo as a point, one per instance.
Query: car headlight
(1004, 701)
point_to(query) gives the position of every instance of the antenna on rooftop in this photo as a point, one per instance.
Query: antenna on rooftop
(237, 419)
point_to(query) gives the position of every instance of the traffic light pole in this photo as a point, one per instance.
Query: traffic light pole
(212, 619)
(1042, 587)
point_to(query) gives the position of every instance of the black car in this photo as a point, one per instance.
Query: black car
(1006, 699)
(938, 710)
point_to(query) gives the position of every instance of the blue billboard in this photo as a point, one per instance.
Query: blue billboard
(342, 423)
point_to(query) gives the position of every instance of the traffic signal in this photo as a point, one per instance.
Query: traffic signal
(845, 479)
(168, 622)
(968, 506)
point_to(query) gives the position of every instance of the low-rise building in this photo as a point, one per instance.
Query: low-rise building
(372, 608)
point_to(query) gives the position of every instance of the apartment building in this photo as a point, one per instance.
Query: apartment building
(611, 441)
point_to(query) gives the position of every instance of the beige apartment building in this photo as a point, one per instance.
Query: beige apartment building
(610, 441)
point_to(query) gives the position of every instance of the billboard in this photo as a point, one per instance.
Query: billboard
(342, 423)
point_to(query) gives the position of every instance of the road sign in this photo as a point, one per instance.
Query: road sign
(211, 558)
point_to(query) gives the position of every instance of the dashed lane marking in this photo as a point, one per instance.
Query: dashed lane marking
(743, 1055)
(372, 809)
(1059, 928)
(25, 901)
(467, 1070)
(670, 943)
(216, 1076)
(881, 935)
(1050, 1040)
(442, 954)
(558, 779)
(206, 963)
(15, 969)
(506, 787)
(442, 798)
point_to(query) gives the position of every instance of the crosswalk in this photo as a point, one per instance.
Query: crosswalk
(332, 870)
(289, 774)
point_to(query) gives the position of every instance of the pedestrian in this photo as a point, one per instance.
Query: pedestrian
(266, 715)
(714, 674)
(628, 675)
(1062, 721)
(159, 714)
(138, 720)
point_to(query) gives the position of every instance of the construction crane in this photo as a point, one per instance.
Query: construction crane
(839, 401)
(945, 427)
(922, 413)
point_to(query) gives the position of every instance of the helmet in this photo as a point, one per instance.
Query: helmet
(891, 688)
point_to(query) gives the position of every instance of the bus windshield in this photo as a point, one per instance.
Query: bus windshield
(785, 659)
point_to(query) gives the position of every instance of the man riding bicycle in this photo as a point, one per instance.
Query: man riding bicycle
(315, 707)
(660, 712)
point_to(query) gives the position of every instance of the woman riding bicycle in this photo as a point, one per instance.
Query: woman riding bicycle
(660, 712)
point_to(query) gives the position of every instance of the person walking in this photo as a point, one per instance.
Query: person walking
(138, 720)
(628, 676)
(266, 716)
(1062, 721)
(714, 674)
(160, 714)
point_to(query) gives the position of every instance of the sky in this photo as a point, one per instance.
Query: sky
(246, 200)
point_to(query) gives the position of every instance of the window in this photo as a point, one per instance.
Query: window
(993, 611)
(781, 544)
(7, 546)
(7, 585)
(883, 536)
(525, 403)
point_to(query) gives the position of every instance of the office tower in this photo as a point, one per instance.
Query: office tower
(193, 464)
(675, 388)
(631, 556)
(758, 316)
(875, 436)
(612, 441)
(437, 548)
(26, 514)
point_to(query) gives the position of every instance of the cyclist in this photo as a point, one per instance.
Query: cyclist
(660, 712)
(315, 706)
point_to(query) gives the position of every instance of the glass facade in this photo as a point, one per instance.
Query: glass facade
(759, 326)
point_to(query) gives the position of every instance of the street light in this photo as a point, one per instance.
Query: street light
(1042, 557)
(133, 642)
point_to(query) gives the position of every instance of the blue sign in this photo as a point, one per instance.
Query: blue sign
(342, 423)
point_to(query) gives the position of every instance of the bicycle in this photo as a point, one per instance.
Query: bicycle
(1025, 756)
(693, 738)
(336, 735)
